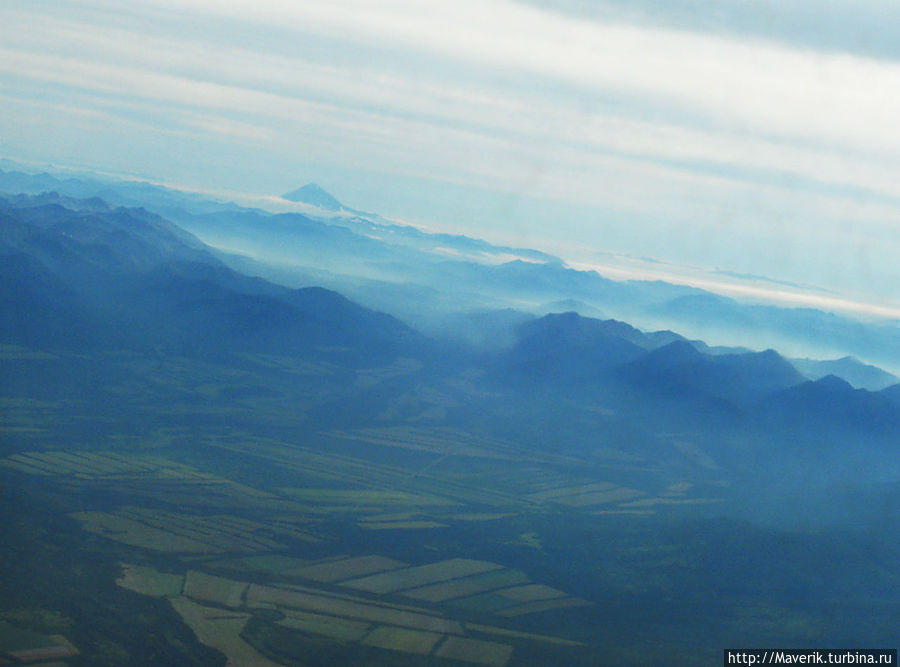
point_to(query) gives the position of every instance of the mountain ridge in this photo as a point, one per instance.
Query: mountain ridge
(427, 278)
(138, 279)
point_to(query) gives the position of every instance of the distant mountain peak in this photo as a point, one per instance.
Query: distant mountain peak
(313, 194)
(849, 368)
(676, 352)
(833, 383)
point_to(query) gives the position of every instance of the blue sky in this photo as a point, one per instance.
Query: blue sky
(750, 136)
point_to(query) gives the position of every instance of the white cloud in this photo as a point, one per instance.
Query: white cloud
(753, 84)
(735, 134)
(789, 297)
(541, 122)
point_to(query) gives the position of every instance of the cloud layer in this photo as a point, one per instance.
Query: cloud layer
(754, 153)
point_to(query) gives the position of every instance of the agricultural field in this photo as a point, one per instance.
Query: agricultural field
(183, 533)
(247, 557)
(217, 609)
(220, 631)
(365, 613)
(299, 512)
(18, 646)
(467, 586)
(413, 577)
(148, 581)
(442, 441)
(333, 627)
(252, 555)
(347, 568)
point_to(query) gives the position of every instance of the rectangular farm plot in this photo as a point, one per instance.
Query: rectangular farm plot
(552, 494)
(531, 593)
(443, 441)
(530, 480)
(269, 563)
(85, 463)
(485, 603)
(401, 639)
(356, 598)
(477, 651)
(517, 600)
(101, 464)
(395, 516)
(543, 605)
(651, 502)
(400, 525)
(288, 530)
(343, 629)
(51, 463)
(505, 632)
(140, 475)
(467, 586)
(349, 568)
(333, 606)
(149, 581)
(39, 461)
(599, 497)
(351, 470)
(34, 463)
(214, 589)
(22, 466)
(174, 532)
(365, 497)
(481, 516)
(413, 577)
(137, 534)
(220, 533)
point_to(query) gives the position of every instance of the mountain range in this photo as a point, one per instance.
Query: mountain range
(79, 272)
(88, 274)
(430, 281)
(82, 274)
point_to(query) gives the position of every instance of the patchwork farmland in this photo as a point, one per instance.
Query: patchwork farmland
(343, 546)
(349, 618)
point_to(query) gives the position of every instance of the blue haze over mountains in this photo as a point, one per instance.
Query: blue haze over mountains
(99, 263)
(148, 320)
(449, 285)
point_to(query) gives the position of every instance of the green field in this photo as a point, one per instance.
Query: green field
(414, 577)
(329, 626)
(218, 590)
(148, 581)
(466, 586)
(475, 651)
(403, 640)
(222, 632)
(349, 568)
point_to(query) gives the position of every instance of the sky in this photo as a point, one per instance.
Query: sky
(744, 136)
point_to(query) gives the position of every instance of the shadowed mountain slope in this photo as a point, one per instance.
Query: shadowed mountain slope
(831, 405)
(124, 277)
(851, 369)
(568, 348)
